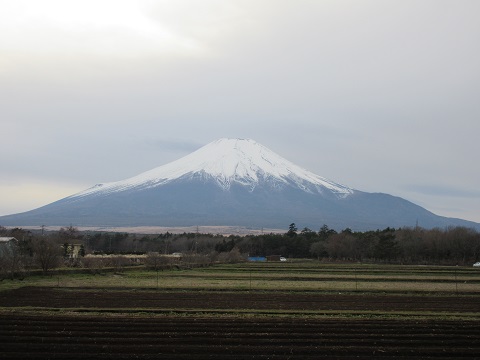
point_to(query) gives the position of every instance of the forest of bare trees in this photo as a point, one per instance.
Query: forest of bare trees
(48, 250)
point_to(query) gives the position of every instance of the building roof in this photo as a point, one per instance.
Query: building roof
(6, 239)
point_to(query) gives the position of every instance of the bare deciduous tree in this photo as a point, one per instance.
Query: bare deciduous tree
(118, 262)
(47, 254)
(94, 264)
(233, 256)
(156, 261)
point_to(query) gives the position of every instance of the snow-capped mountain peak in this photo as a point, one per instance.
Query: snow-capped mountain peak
(231, 182)
(227, 162)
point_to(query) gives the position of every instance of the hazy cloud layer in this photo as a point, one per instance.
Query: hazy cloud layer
(381, 96)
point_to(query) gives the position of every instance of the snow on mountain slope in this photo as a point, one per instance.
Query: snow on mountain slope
(227, 161)
(231, 182)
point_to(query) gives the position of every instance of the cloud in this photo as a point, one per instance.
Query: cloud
(27, 195)
(443, 191)
(174, 145)
(88, 28)
(371, 94)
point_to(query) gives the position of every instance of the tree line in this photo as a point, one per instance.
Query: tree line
(449, 246)
(46, 250)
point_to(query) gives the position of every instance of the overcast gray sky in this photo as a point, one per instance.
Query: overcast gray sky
(381, 96)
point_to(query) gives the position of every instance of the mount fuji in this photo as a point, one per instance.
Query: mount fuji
(231, 182)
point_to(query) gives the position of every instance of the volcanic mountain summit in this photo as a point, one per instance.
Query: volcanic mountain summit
(228, 163)
(231, 182)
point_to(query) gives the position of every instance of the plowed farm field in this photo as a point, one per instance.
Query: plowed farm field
(245, 311)
(56, 323)
(80, 337)
(253, 302)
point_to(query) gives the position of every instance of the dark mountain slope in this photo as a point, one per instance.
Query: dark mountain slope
(232, 182)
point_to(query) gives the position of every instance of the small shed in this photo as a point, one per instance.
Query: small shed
(6, 244)
(257, 258)
(273, 257)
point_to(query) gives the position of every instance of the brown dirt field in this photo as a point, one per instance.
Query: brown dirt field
(83, 337)
(32, 334)
(128, 299)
